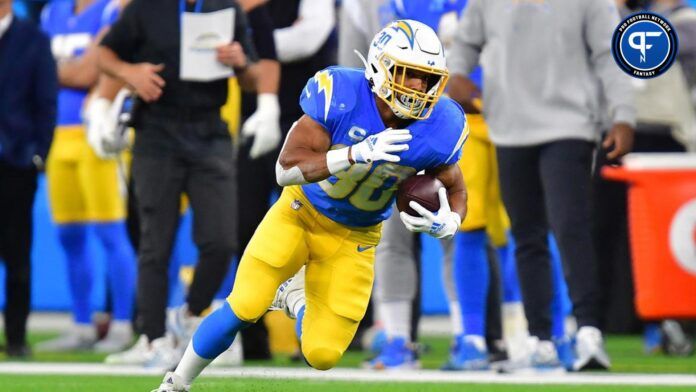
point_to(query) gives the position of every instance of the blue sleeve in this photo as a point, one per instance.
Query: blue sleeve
(317, 96)
(459, 132)
(44, 96)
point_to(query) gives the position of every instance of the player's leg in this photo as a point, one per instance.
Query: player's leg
(471, 277)
(106, 206)
(455, 311)
(69, 212)
(471, 269)
(276, 251)
(121, 277)
(561, 308)
(395, 288)
(339, 278)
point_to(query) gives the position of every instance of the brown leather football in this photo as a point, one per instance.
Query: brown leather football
(420, 188)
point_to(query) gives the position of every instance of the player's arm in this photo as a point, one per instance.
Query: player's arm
(446, 221)
(305, 156)
(81, 72)
(452, 178)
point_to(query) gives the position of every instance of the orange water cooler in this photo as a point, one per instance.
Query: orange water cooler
(662, 226)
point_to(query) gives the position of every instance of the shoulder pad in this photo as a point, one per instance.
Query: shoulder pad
(330, 93)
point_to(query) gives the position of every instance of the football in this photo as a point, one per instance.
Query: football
(420, 188)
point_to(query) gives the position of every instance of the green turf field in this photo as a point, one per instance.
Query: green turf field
(626, 353)
(114, 384)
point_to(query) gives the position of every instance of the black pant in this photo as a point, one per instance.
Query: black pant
(549, 186)
(171, 157)
(494, 318)
(17, 190)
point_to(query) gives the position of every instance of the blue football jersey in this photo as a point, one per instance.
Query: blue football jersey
(70, 35)
(340, 99)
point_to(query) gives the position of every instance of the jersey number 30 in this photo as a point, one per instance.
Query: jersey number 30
(366, 192)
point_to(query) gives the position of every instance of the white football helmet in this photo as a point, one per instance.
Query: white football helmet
(404, 47)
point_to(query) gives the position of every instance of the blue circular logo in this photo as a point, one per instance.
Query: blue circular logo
(644, 45)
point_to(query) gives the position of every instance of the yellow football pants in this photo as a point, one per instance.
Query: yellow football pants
(479, 166)
(81, 186)
(338, 276)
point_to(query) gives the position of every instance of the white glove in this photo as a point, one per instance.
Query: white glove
(115, 137)
(442, 224)
(263, 125)
(380, 147)
(96, 117)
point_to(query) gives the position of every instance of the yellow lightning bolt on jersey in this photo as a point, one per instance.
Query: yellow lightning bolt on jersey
(325, 83)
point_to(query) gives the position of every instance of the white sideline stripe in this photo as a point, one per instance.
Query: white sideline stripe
(428, 376)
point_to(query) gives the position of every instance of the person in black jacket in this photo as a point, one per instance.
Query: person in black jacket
(28, 93)
(181, 145)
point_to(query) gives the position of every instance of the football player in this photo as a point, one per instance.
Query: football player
(363, 132)
(83, 188)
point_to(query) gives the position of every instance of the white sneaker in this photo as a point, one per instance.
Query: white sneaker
(78, 338)
(289, 294)
(136, 355)
(160, 353)
(172, 383)
(543, 354)
(233, 356)
(675, 340)
(163, 354)
(120, 336)
(541, 358)
(590, 350)
(515, 331)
